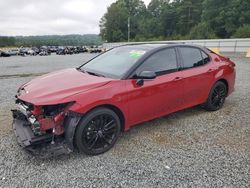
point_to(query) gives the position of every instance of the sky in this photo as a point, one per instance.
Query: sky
(49, 17)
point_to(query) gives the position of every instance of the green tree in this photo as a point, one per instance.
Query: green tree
(114, 24)
(155, 13)
(243, 31)
(7, 41)
(225, 16)
(202, 31)
(175, 19)
(188, 14)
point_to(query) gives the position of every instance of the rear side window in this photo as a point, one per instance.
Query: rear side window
(205, 57)
(191, 57)
(160, 62)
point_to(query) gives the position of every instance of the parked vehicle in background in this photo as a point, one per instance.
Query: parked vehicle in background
(52, 49)
(60, 50)
(89, 106)
(95, 49)
(36, 50)
(13, 52)
(69, 50)
(84, 48)
(31, 52)
(23, 51)
(4, 54)
(80, 49)
(44, 53)
(45, 48)
(74, 50)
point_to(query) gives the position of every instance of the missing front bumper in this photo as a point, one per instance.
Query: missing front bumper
(25, 136)
(41, 146)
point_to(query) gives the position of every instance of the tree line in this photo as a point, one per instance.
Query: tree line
(51, 40)
(176, 19)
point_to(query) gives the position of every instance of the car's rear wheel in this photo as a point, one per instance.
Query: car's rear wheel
(98, 131)
(216, 97)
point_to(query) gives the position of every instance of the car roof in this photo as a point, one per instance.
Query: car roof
(146, 46)
(151, 46)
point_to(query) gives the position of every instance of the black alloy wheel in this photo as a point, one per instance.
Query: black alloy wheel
(216, 97)
(98, 131)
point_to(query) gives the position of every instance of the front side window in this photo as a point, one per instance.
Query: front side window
(160, 62)
(191, 57)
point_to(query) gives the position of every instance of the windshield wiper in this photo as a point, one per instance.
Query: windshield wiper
(81, 70)
(91, 73)
(95, 74)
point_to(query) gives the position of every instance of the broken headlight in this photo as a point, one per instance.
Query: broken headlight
(52, 110)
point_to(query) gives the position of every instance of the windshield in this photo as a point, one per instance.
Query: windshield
(114, 63)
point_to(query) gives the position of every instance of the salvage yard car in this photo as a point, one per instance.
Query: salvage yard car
(88, 107)
(13, 52)
(4, 54)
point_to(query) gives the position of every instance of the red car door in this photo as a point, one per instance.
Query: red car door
(198, 75)
(158, 96)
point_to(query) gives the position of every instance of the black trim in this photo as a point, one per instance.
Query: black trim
(160, 73)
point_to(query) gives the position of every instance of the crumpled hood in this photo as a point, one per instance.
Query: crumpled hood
(56, 87)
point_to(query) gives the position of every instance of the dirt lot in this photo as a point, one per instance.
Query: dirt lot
(191, 148)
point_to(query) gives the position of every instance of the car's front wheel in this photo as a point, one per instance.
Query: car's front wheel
(216, 97)
(98, 131)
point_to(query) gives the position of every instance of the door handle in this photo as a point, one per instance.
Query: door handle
(177, 78)
(211, 70)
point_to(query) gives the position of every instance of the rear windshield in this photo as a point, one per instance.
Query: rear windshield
(116, 62)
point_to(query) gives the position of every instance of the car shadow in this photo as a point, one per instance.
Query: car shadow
(147, 129)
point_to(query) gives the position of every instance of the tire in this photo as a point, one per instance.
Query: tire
(216, 97)
(98, 131)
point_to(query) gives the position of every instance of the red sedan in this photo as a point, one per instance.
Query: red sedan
(87, 107)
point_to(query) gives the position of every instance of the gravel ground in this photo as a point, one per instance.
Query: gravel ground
(190, 148)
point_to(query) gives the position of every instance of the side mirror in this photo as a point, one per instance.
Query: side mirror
(146, 75)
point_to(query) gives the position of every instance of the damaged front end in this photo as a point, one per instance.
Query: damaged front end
(47, 130)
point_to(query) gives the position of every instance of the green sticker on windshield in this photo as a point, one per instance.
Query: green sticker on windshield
(136, 53)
